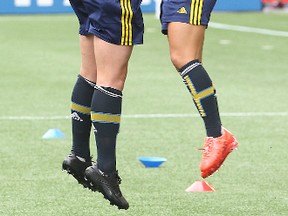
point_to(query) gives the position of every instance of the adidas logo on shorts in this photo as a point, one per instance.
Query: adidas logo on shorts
(182, 10)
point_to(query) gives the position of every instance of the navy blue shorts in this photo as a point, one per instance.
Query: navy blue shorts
(115, 21)
(195, 12)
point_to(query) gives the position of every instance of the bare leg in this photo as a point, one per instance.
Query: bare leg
(185, 42)
(112, 63)
(88, 67)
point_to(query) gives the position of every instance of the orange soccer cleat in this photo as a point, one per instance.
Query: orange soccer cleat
(215, 152)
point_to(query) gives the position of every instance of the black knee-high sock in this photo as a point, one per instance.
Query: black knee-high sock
(203, 93)
(80, 114)
(106, 115)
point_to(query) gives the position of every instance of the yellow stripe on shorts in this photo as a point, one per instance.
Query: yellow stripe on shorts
(126, 22)
(196, 12)
(80, 108)
(105, 117)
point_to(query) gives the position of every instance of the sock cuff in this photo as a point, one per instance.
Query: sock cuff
(86, 80)
(188, 67)
(109, 91)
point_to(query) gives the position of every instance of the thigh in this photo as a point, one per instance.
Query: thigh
(88, 67)
(116, 21)
(185, 42)
(112, 63)
(195, 12)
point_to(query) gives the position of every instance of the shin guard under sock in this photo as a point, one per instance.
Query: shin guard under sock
(106, 115)
(80, 114)
(203, 93)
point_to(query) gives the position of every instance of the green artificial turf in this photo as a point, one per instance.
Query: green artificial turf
(39, 63)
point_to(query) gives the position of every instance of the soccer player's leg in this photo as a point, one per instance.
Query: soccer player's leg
(116, 27)
(79, 158)
(186, 55)
(112, 63)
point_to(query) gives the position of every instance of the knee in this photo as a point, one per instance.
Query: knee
(176, 60)
(179, 59)
(89, 73)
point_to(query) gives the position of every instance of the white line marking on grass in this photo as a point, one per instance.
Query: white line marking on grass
(234, 114)
(145, 116)
(248, 29)
(151, 30)
(32, 118)
(267, 47)
(225, 42)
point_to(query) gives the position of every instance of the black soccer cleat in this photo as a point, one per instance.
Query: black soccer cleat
(108, 185)
(76, 168)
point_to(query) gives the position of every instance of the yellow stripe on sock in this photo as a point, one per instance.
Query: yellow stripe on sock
(105, 117)
(198, 96)
(80, 108)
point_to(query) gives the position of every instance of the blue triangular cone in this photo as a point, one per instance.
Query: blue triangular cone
(53, 133)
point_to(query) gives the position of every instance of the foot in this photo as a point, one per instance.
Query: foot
(215, 152)
(76, 168)
(108, 185)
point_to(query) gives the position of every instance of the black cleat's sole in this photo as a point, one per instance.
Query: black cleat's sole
(96, 188)
(80, 179)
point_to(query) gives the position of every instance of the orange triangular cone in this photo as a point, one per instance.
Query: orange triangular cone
(200, 186)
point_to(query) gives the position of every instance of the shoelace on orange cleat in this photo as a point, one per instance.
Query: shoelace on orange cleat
(207, 147)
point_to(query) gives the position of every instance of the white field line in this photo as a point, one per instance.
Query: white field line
(145, 116)
(248, 29)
